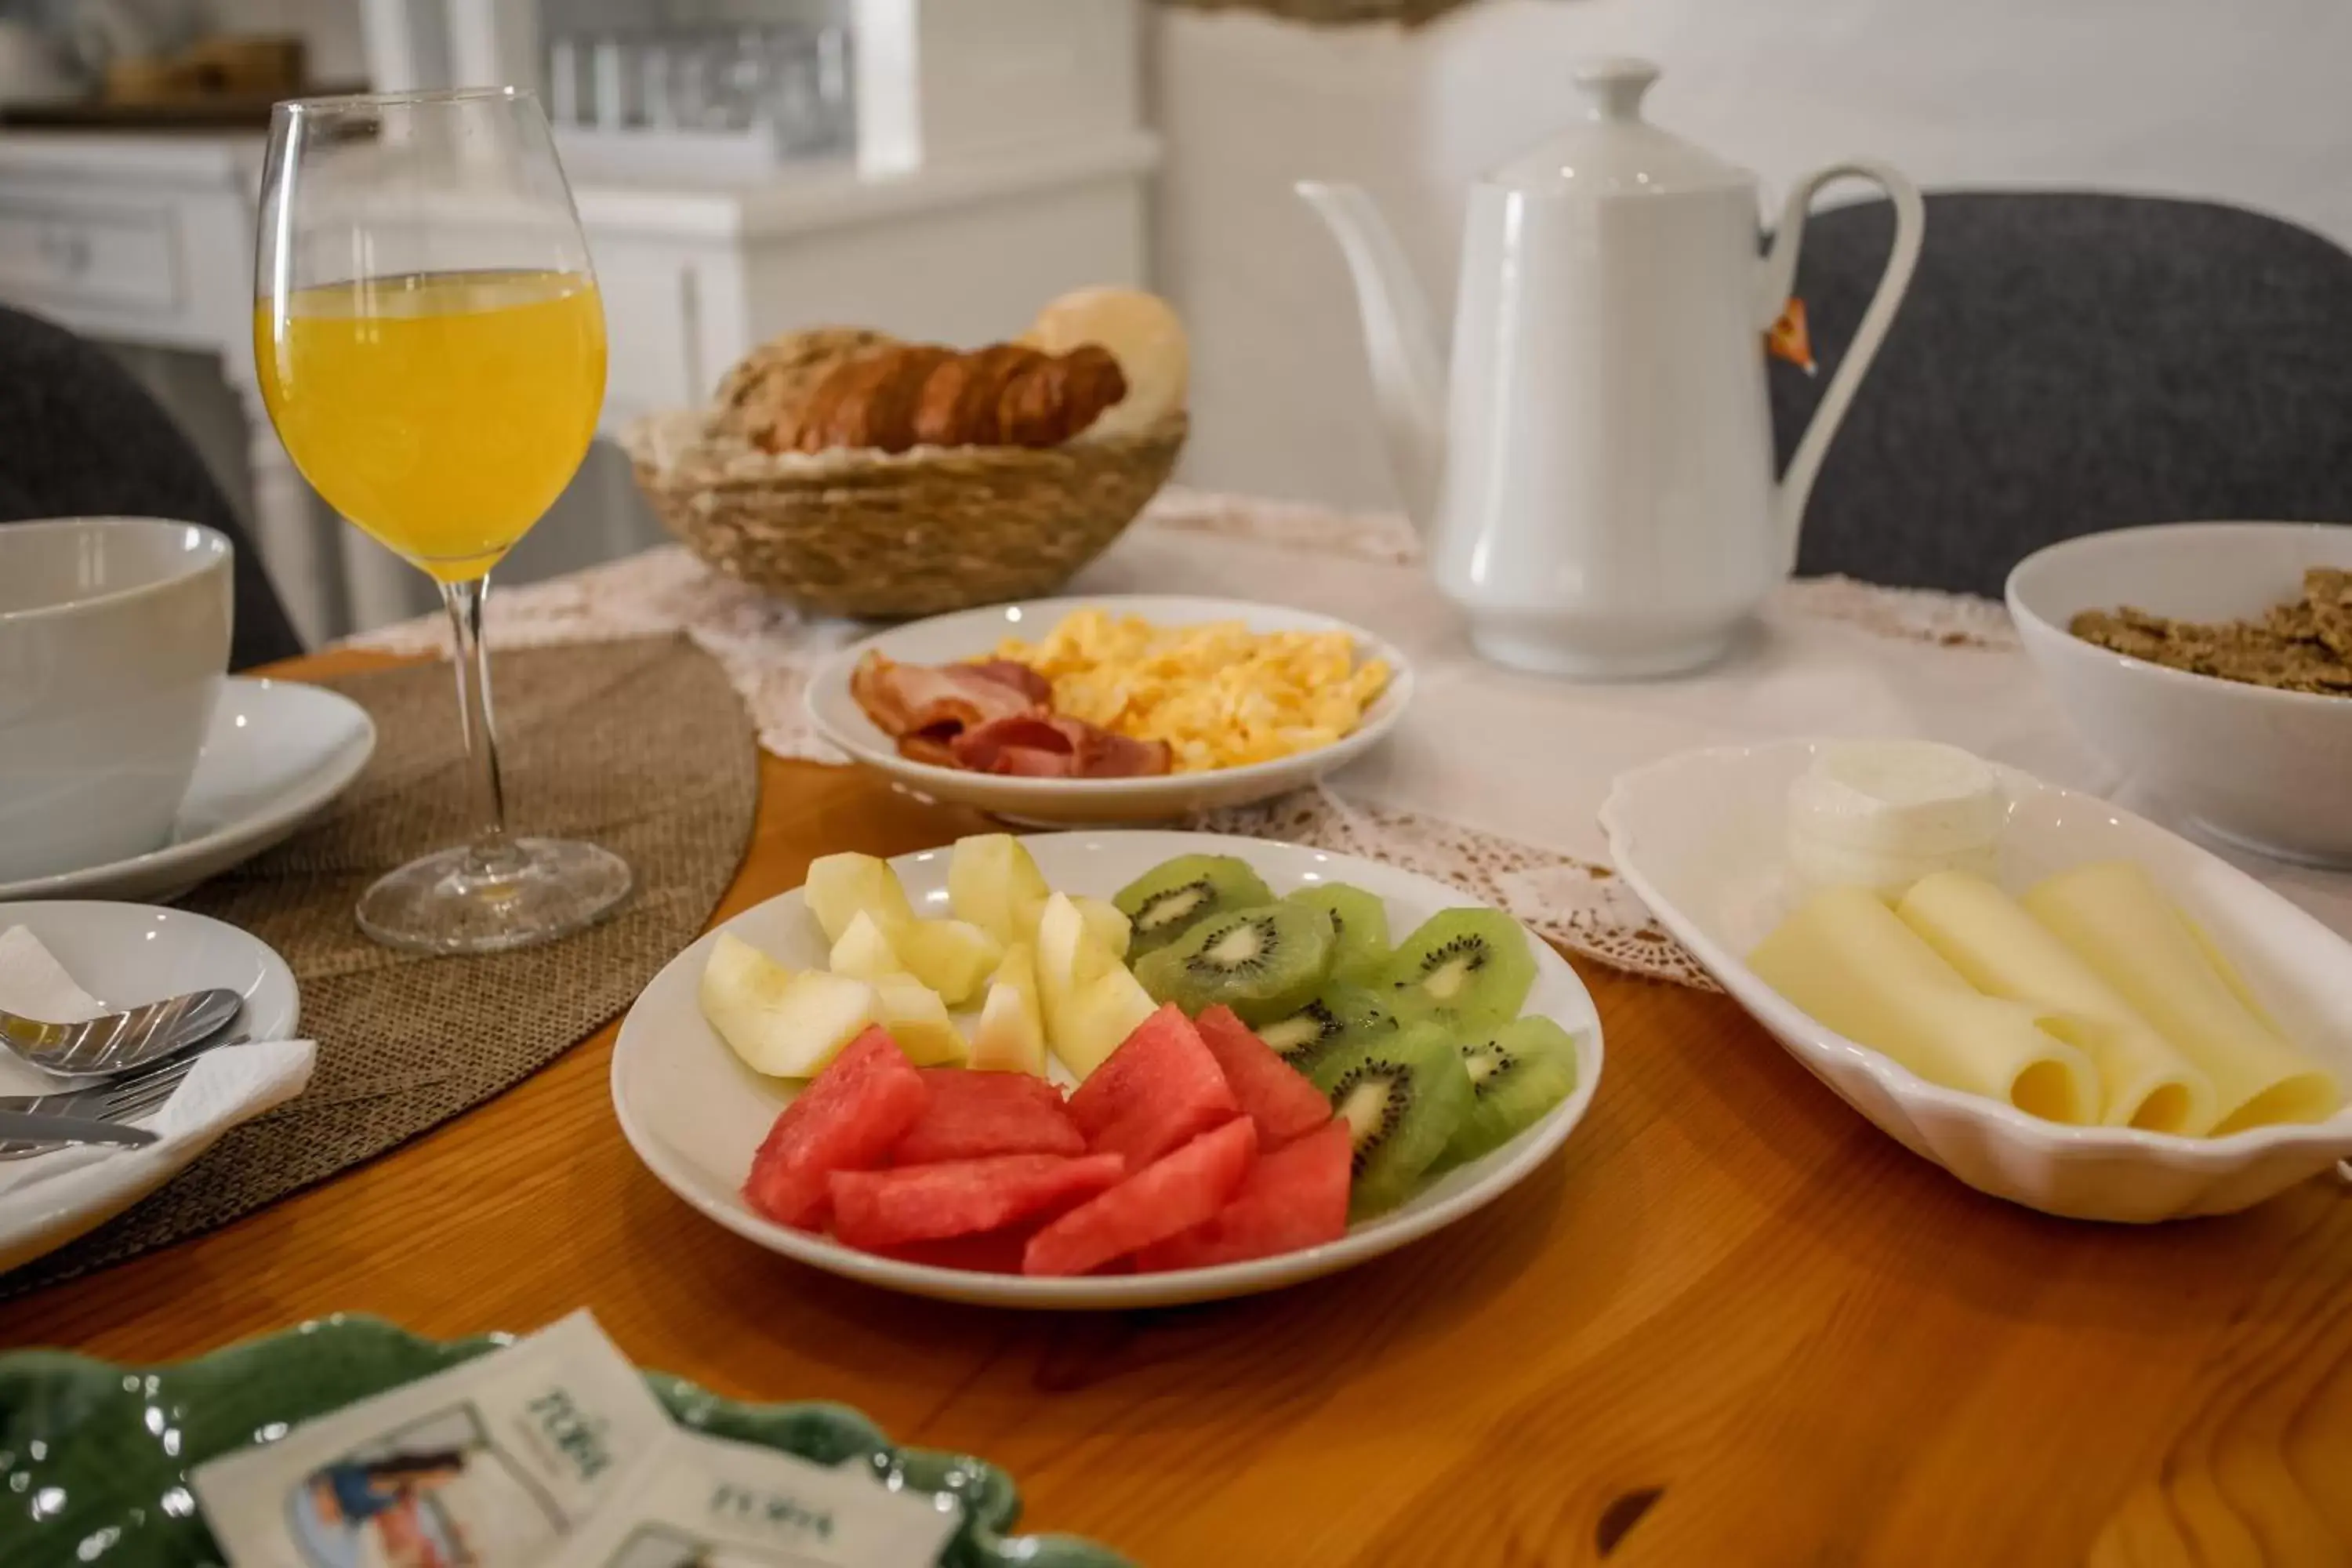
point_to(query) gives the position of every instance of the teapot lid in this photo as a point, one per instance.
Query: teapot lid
(1613, 150)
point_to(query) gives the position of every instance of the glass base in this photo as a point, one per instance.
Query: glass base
(540, 889)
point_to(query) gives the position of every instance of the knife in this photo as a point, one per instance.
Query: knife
(33, 1124)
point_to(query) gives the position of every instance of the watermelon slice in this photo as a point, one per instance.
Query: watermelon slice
(1273, 1093)
(1160, 1090)
(1156, 1203)
(972, 1115)
(1294, 1197)
(873, 1209)
(848, 1119)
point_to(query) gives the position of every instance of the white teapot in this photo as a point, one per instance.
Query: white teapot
(1596, 490)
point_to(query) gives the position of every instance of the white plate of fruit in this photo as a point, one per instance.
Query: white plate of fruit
(1104, 1069)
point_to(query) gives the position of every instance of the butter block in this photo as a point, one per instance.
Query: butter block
(2002, 950)
(2115, 918)
(1883, 814)
(1846, 959)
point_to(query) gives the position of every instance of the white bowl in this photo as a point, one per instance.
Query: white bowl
(694, 1114)
(1085, 802)
(114, 635)
(1699, 837)
(2264, 769)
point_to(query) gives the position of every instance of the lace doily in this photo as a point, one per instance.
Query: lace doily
(770, 650)
(1582, 906)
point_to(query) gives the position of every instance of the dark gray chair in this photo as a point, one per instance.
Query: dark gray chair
(79, 438)
(2066, 363)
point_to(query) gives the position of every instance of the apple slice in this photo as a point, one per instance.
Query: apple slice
(838, 887)
(918, 1020)
(866, 951)
(953, 958)
(1011, 1036)
(1090, 1002)
(784, 1024)
(994, 884)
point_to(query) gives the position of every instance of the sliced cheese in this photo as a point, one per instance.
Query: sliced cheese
(2002, 950)
(2117, 920)
(1845, 958)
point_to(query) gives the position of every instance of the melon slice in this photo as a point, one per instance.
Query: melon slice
(1273, 1093)
(960, 1197)
(1011, 1035)
(1294, 1197)
(838, 887)
(865, 951)
(974, 1115)
(849, 1119)
(918, 1019)
(1106, 922)
(994, 884)
(784, 1024)
(1090, 1001)
(953, 958)
(1158, 1090)
(1161, 1200)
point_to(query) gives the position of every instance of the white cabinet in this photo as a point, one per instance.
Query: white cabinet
(1023, 179)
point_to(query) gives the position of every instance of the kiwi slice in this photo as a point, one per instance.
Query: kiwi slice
(1404, 1096)
(1172, 897)
(1340, 1016)
(1361, 923)
(1517, 1074)
(1472, 966)
(1262, 962)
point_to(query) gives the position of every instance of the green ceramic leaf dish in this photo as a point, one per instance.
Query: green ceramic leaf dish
(94, 1456)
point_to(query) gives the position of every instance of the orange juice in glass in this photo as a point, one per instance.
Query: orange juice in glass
(431, 346)
(442, 413)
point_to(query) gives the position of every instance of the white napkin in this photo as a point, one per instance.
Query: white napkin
(229, 1084)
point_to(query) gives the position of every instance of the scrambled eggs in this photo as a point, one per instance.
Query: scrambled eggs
(1221, 695)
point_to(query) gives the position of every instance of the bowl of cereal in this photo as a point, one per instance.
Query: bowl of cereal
(2213, 662)
(1121, 708)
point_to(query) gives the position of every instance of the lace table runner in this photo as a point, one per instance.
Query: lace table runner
(1364, 567)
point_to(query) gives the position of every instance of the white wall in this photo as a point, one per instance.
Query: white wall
(2248, 101)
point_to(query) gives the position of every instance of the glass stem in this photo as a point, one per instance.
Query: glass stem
(491, 855)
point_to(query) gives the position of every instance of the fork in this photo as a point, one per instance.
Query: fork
(123, 1099)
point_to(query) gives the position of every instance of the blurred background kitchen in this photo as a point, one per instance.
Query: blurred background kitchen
(941, 166)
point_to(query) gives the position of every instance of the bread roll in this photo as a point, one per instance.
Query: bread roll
(1142, 333)
(770, 387)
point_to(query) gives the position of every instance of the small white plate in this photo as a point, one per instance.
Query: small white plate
(1168, 797)
(1699, 837)
(277, 751)
(124, 954)
(695, 1114)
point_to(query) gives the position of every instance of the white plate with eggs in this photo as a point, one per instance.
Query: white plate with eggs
(1705, 839)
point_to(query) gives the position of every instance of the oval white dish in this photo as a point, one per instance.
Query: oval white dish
(1699, 837)
(694, 1114)
(1167, 797)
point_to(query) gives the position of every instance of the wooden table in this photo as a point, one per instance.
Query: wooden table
(1731, 1324)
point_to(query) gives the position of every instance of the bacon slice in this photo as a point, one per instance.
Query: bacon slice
(941, 700)
(1051, 745)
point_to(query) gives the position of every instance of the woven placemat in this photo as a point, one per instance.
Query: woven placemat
(641, 746)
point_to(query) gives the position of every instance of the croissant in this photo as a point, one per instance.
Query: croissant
(1007, 394)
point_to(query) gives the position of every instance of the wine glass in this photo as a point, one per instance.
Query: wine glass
(431, 346)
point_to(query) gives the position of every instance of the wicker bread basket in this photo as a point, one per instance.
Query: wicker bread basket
(913, 534)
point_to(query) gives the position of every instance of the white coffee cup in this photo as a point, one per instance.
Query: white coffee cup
(114, 639)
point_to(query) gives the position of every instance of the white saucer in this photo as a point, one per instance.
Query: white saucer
(124, 954)
(1072, 803)
(276, 752)
(694, 1114)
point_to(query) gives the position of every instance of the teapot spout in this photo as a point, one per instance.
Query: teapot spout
(1400, 340)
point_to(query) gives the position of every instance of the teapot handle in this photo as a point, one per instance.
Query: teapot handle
(1780, 277)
